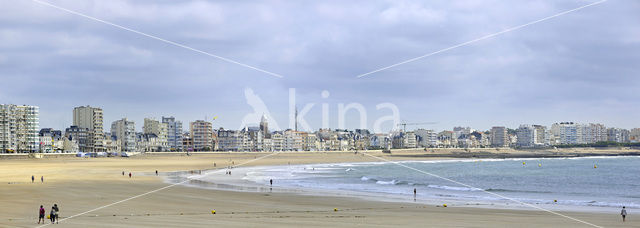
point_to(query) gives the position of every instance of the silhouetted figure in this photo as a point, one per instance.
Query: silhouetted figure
(42, 179)
(41, 214)
(52, 215)
(271, 182)
(33, 178)
(156, 172)
(414, 194)
(122, 173)
(129, 174)
(55, 207)
(623, 213)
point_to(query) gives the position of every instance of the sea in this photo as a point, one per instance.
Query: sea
(592, 183)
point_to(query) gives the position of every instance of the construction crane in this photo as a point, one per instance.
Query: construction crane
(404, 124)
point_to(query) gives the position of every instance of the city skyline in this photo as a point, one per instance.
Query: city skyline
(397, 127)
(19, 130)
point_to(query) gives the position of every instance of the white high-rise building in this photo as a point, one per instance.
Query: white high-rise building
(541, 135)
(292, 140)
(174, 133)
(566, 133)
(409, 140)
(159, 129)
(19, 127)
(618, 135)
(593, 133)
(574, 133)
(426, 138)
(90, 118)
(526, 136)
(125, 133)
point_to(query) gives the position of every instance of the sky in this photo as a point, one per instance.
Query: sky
(580, 67)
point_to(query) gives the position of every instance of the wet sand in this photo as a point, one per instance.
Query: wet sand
(81, 184)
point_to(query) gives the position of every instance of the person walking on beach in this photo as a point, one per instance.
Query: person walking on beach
(122, 173)
(33, 178)
(55, 207)
(414, 194)
(623, 213)
(52, 215)
(42, 179)
(156, 172)
(271, 182)
(41, 214)
(129, 174)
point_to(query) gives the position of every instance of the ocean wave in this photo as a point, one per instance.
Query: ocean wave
(392, 182)
(513, 190)
(365, 178)
(454, 188)
(382, 182)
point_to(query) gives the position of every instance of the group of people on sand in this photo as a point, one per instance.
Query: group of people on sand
(33, 179)
(53, 214)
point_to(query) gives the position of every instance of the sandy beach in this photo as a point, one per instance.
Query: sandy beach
(82, 184)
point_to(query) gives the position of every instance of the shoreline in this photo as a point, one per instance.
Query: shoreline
(81, 184)
(238, 182)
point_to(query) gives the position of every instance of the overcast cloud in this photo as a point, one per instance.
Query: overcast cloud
(580, 67)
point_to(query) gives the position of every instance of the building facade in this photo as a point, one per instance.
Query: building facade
(526, 136)
(19, 128)
(499, 137)
(124, 131)
(90, 118)
(160, 130)
(230, 140)
(174, 133)
(201, 133)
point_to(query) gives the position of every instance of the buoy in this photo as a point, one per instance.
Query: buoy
(213, 212)
(444, 205)
(335, 209)
(595, 166)
(523, 163)
(555, 201)
(539, 165)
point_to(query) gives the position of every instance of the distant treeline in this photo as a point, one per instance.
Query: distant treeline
(601, 144)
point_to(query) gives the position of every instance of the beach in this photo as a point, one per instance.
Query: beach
(78, 185)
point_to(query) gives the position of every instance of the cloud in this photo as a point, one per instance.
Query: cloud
(580, 66)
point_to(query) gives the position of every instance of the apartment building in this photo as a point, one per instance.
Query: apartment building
(174, 133)
(19, 128)
(499, 136)
(90, 118)
(125, 133)
(160, 130)
(201, 133)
